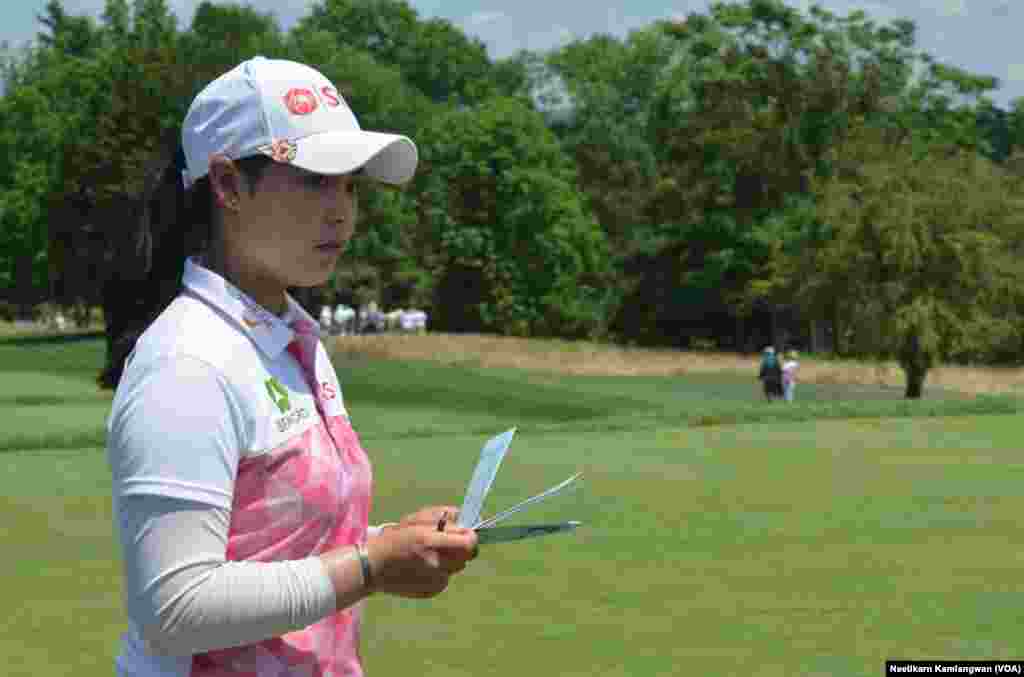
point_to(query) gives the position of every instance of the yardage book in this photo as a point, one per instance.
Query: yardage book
(479, 486)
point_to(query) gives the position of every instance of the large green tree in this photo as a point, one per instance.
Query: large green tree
(222, 35)
(610, 89)
(434, 56)
(510, 246)
(757, 94)
(50, 99)
(738, 106)
(917, 248)
(29, 138)
(69, 34)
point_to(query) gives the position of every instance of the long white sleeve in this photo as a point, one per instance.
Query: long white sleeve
(185, 598)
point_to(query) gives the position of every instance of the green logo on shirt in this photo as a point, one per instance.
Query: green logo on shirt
(278, 395)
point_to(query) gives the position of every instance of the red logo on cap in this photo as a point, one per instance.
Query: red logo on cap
(300, 101)
(331, 95)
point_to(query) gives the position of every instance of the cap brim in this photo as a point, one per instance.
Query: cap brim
(385, 157)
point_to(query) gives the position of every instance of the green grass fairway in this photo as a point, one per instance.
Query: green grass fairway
(820, 547)
(769, 550)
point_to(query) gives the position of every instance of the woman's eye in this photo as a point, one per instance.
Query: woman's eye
(323, 182)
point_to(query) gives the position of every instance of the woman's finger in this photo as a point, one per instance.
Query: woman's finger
(431, 515)
(455, 539)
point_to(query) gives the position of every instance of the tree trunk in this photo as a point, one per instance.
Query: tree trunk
(915, 381)
(80, 311)
(819, 338)
(915, 363)
(23, 287)
(838, 337)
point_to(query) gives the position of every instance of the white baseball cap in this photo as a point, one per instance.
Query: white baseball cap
(293, 114)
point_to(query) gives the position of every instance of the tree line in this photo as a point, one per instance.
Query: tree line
(750, 174)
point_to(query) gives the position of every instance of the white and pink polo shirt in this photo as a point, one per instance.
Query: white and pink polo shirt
(216, 409)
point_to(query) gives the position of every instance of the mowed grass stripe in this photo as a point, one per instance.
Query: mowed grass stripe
(60, 406)
(77, 424)
(77, 357)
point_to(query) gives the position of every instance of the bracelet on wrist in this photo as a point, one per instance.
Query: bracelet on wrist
(364, 566)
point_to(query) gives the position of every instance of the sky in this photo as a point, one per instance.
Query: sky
(977, 35)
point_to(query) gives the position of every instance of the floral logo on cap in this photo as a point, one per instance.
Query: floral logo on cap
(300, 101)
(282, 150)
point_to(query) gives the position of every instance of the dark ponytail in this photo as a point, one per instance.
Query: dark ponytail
(170, 224)
(166, 225)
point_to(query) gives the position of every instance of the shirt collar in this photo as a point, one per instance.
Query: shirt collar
(270, 333)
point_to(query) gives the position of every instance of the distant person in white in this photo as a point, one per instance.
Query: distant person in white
(344, 320)
(789, 369)
(325, 318)
(407, 321)
(241, 491)
(371, 319)
(338, 326)
(417, 321)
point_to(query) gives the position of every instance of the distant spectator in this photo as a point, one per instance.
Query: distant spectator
(789, 369)
(372, 320)
(338, 325)
(407, 321)
(80, 313)
(418, 321)
(325, 318)
(364, 319)
(770, 374)
(344, 320)
(60, 322)
(393, 320)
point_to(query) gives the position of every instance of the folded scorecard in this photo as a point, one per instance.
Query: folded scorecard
(479, 486)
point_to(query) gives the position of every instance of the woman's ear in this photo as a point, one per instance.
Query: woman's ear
(225, 182)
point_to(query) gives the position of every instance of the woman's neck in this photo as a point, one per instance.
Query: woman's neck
(268, 295)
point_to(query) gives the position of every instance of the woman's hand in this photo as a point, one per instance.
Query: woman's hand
(431, 515)
(415, 559)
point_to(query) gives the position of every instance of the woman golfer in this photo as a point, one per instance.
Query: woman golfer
(241, 491)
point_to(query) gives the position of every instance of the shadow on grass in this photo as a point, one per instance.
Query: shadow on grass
(621, 422)
(70, 356)
(421, 384)
(50, 339)
(54, 400)
(82, 439)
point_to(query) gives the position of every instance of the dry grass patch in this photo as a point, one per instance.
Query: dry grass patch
(586, 358)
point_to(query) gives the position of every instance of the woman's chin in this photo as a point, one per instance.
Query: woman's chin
(310, 280)
(316, 273)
